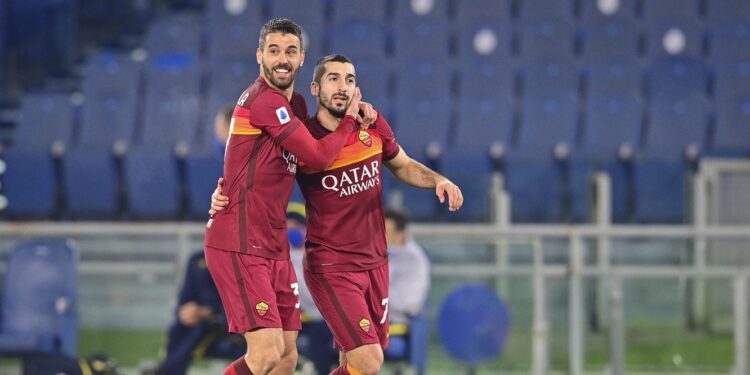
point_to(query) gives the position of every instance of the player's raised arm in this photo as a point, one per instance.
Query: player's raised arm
(318, 154)
(274, 116)
(418, 175)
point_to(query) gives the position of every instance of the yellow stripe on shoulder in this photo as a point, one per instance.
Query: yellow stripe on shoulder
(247, 131)
(241, 125)
(343, 162)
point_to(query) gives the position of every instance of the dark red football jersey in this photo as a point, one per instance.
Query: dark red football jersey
(260, 162)
(345, 224)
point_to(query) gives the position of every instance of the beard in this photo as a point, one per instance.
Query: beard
(281, 84)
(327, 103)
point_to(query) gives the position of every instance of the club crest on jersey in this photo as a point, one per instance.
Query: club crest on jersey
(365, 138)
(283, 115)
(261, 308)
(364, 324)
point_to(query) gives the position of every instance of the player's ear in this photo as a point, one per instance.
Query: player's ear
(314, 88)
(259, 56)
(302, 58)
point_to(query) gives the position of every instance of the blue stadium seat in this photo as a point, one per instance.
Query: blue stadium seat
(547, 190)
(655, 38)
(45, 31)
(418, 78)
(610, 39)
(419, 37)
(421, 204)
(202, 168)
(90, 183)
(721, 12)
(422, 123)
(536, 189)
(486, 11)
(152, 185)
(547, 121)
(535, 10)
(3, 49)
(471, 172)
(172, 101)
(220, 12)
(110, 89)
(732, 131)
(179, 33)
(373, 79)
(614, 76)
(676, 123)
(435, 10)
(732, 78)
(29, 184)
(487, 78)
(40, 299)
(611, 122)
(550, 76)
(595, 11)
(655, 11)
(45, 118)
(660, 191)
(309, 14)
(731, 93)
(484, 122)
(228, 79)
(106, 119)
(112, 73)
(304, 78)
(547, 38)
(677, 75)
(483, 41)
(350, 10)
(233, 40)
(730, 41)
(359, 40)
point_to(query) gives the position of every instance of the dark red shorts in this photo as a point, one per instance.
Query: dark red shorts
(354, 304)
(256, 292)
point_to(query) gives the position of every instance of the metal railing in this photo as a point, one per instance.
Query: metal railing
(187, 236)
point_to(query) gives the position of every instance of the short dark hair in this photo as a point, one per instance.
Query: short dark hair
(226, 112)
(400, 218)
(320, 66)
(279, 25)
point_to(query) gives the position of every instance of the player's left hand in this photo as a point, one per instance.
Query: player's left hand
(367, 115)
(218, 201)
(455, 198)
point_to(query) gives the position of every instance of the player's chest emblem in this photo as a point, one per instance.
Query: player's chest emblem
(365, 138)
(364, 324)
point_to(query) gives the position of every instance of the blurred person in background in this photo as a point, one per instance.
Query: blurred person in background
(409, 269)
(222, 122)
(409, 273)
(200, 328)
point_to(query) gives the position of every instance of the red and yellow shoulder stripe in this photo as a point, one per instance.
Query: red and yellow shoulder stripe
(241, 122)
(362, 145)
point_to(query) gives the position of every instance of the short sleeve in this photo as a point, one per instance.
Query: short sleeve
(272, 113)
(390, 146)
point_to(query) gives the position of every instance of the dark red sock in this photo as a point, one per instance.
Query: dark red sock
(238, 367)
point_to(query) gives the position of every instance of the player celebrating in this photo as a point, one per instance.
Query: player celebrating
(246, 245)
(346, 265)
